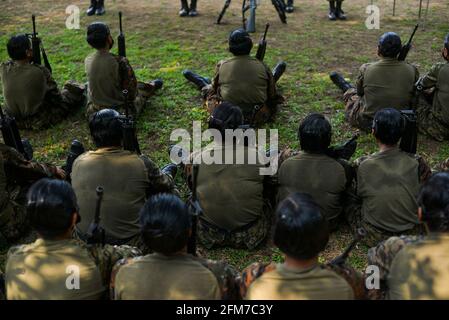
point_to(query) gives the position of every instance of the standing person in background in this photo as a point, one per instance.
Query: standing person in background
(96, 7)
(186, 10)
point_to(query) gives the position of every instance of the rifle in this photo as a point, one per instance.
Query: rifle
(409, 141)
(130, 141)
(11, 134)
(341, 259)
(406, 48)
(223, 11)
(38, 48)
(195, 210)
(344, 151)
(95, 233)
(262, 48)
(121, 38)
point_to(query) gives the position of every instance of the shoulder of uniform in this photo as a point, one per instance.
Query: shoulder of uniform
(362, 160)
(252, 273)
(365, 66)
(19, 249)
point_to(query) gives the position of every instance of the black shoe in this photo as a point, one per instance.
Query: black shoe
(76, 149)
(198, 80)
(339, 13)
(158, 83)
(170, 170)
(289, 8)
(192, 11)
(28, 148)
(332, 11)
(340, 82)
(100, 9)
(279, 70)
(179, 152)
(92, 8)
(184, 12)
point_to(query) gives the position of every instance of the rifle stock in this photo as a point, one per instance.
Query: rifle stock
(409, 141)
(121, 38)
(95, 233)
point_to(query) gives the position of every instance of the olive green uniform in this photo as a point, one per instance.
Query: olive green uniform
(413, 267)
(176, 277)
(108, 75)
(33, 98)
(245, 82)
(433, 118)
(318, 175)
(278, 282)
(16, 176)
(42, 270)
(235, 212)
(128, 180)
(384, 196)
(387, 83)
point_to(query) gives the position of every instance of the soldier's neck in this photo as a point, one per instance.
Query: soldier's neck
(384, 147)
(293, 263)
(22, 62)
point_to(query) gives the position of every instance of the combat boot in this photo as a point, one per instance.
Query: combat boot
(76, 149)
(332, 11)
(289, 8)
(148, 89)
(170, 169)
(279, 70)
(196, 79)
(340, 82)
(339, 13)
(184, 12)
(192, 11)
(92, 8)
(100, 8)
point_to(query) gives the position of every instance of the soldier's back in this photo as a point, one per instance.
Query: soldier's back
(160, 277)
(420, 270)
(442, 91)
(53, 270)
(316, 283)
(24, 88)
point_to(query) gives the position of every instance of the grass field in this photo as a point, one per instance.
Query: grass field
(160, 44)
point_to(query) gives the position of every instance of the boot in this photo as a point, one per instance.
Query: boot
(177, 153)
(196, 79)
(339, 12)
(28, 148)
(332, 11)
(289, 8)
(340, 82)
(184, 12)
(192, 11)
(158, 83)
(100, 8)
(170, 169)
(279, 70)
(76, 149)
(92, 8)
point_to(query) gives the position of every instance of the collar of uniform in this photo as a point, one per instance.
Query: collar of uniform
(108, 150)
(160, 256)
(389, 151)
(388, 60)
(283, 268)
(305, 154)
(51, 243)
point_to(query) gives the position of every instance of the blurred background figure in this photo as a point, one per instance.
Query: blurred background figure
(96, 7)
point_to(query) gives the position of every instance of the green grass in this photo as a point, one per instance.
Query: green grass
(159, 44)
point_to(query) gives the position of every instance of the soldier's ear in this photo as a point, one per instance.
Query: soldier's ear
(420, 214)
(76, 218)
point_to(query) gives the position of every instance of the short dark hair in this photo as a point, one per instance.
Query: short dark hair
(240, 42)
(315, 133)
(106, 128)
(98, 34)
(50, 207)
(390, 45)
(165, 223)
(226, 116)
(17, 47)
(434, 202)
(301, 231)
(388, 125)
(446, 42)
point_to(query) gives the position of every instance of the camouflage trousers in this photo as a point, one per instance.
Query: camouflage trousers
(354, 110)
(145, 90)
(248, 237)
(13, 223)
(429, 122)
(56, 107)
(256, 116)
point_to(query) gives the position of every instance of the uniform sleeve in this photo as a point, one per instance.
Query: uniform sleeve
(430, 79)
(251, 274)
(227, 277)
(127, 77)
(159, 182)
(113, 294)
(360, 79)
(216, 80)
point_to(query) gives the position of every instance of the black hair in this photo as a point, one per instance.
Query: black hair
(165, 223)
(388, 125)
(315, 133)
(301, 231)
(106, 128)
(240, 42)
(18, 46)
(434, 202)
(50, 208)
(226, 116)
(97, 35)
(446, 42)
(390, 45)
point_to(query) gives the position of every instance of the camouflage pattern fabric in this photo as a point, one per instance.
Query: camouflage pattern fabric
(353, 110)
(431, 123)
(251, 273)
(444, 166)
(382, 256)
(249, 237)
(227, 277)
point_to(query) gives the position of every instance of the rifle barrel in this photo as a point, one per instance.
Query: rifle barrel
(120, 22)
(267, 26)
(33, 18)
